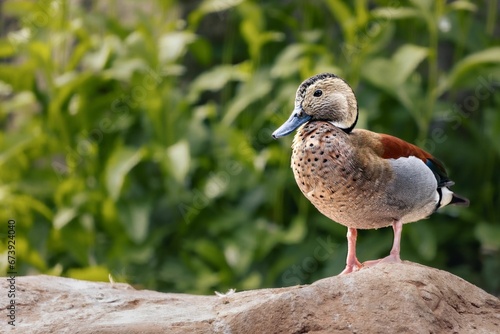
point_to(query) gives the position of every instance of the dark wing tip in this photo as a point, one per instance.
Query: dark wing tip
(439, 172)
(459, 200)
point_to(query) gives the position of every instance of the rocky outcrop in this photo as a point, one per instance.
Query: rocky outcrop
(386, 298)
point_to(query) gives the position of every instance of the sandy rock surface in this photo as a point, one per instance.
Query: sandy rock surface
(387, 298)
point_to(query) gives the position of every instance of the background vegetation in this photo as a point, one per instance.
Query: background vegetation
(136, 135)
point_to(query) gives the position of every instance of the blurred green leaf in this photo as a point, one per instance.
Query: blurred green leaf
(462, 5)
(296, 232)
(6, 48)
(209, 251)
(96, 61)
(77, 241)
(210, 6)
(179, 160)
(344, 16)
(173, 45)
(94, 273)
(124, 69)
(288, 61)
(250, 92)
(202, 50)
(394, 13)
(64, 216)
(252, 281)
(391, 74)
(13, 144)
(19, 77)
(135, 217)
(216, 78)
(470, 63)
(405, 61)
(118, 166)
(424, 5)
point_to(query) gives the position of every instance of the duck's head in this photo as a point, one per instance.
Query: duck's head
(323, 97)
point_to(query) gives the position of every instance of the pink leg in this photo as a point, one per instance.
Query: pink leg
(352, 263)
(397, 226)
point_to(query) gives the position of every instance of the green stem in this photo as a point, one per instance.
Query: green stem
(433, 70)
(431, 85)
(491, 17)
(227, 55)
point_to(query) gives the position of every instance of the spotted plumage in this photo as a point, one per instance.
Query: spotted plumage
(359, 178)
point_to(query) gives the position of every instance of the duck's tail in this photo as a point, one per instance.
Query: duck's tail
(448, 197)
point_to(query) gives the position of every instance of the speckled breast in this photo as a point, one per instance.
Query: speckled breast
(336, 180)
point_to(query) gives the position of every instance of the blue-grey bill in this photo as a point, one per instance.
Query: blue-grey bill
(296, 119)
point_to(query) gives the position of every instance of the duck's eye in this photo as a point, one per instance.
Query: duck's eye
(318, 93)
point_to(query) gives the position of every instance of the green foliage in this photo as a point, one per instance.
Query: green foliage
(136, 137)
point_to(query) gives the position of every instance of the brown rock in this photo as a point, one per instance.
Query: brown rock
(387, 298)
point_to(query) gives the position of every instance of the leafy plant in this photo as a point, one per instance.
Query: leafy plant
(136, 137)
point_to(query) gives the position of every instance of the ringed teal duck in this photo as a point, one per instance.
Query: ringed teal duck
(358, 178)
